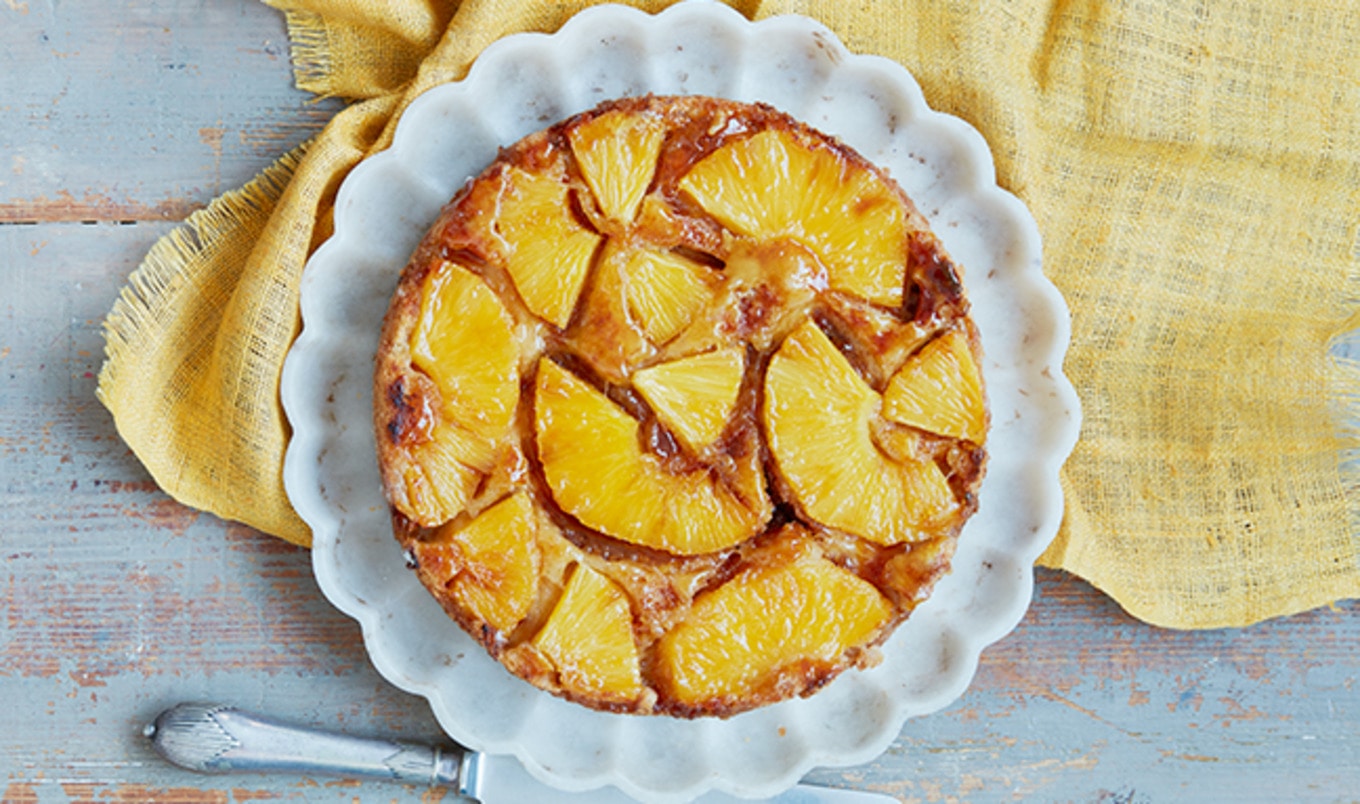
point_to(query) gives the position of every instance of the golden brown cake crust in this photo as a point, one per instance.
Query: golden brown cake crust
(600, 345)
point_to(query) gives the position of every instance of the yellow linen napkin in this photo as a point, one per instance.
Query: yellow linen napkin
(1194, 170)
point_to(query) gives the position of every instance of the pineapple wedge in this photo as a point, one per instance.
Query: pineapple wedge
(879, 334)
(595, 466)
(547, 252)
(591, 458)
(940, 390)
(638, 300)
(464, 341)
(694, 396)
(617, 154)
(437, 480)
(588, 638)
(772, 186)
(664, 291)
(473, 362)
(817, 417)
(604, 333)
(490, 565)
(740, 637)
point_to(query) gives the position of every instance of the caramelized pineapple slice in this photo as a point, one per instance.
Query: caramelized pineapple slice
(617, 154)
(940, 390)
(875, 331)
(705, 513)
(442, 473)
(771, 186)
(588, 638)
(694, 396)
(604, 333)
(598, 472)
(664, 291)
(472, 361)
(491, 565)
(817, 416)
(547, 251)
(464, 341)
(591, 458)
(740, 636)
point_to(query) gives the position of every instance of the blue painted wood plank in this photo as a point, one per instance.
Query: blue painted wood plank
(141, 111)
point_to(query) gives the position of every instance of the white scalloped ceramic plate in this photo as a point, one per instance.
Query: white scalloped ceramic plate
(524, 83)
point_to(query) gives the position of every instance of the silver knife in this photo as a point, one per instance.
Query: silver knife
(212, 738)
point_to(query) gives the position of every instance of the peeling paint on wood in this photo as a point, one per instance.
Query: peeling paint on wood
(92, 208)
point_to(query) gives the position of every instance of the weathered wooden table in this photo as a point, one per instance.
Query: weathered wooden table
(116, 121)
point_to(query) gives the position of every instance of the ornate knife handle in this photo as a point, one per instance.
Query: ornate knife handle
(211, 738)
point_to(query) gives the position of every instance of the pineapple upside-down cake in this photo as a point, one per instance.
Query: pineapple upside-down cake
(679, 408)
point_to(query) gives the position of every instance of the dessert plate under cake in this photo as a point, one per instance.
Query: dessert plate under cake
(385, 207)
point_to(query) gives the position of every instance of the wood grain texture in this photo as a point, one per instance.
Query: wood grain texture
(116, 602)
(143, 110)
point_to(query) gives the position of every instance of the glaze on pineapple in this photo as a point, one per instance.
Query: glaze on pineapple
(679, 408)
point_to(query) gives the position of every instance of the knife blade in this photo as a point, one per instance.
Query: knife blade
(216, 739)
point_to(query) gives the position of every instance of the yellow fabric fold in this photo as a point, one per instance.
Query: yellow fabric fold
(195, 344)
(361, 48)
(1195, 173)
